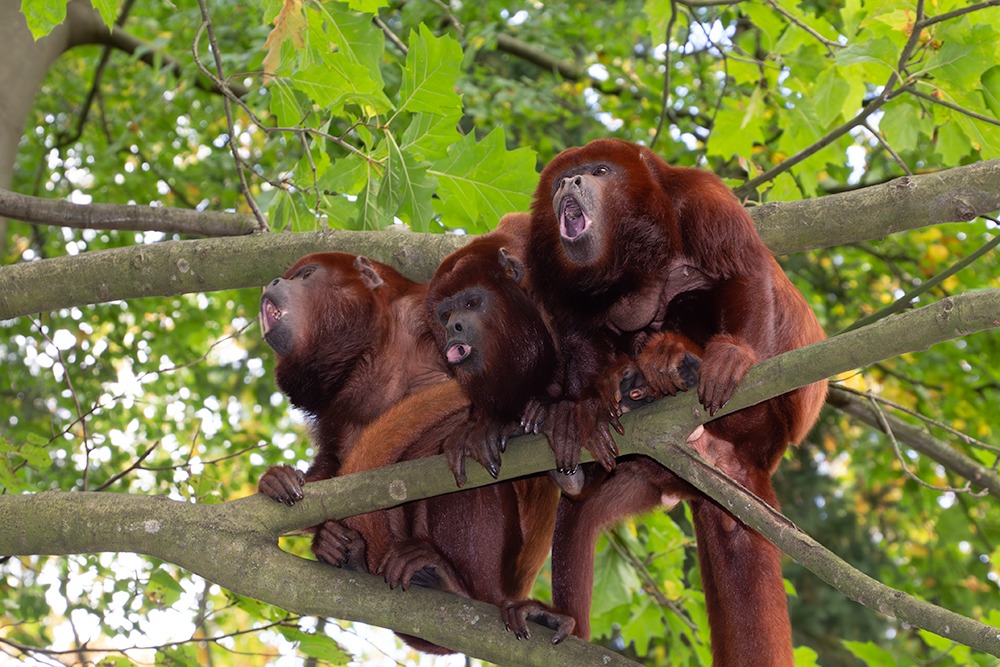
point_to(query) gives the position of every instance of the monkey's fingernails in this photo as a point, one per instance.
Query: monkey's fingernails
(696, 433)
(617, 425)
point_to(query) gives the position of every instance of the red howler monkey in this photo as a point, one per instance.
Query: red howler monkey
(495, 339)
(340, 326)
(636, 258)
(503, 355)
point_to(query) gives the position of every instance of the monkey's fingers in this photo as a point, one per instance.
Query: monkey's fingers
(615, 422)
(517, 613)
(595, 434)
(282, 483)
(533, 419)
(725, 363)
(338, 545)
(564, 438)
(454, 453)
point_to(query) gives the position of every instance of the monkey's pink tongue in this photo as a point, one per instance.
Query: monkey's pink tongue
(457, 352)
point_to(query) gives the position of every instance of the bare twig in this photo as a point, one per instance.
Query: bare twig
(953, 107)
(791, 18)
(665, 98)
(906, 301)
(220, 81)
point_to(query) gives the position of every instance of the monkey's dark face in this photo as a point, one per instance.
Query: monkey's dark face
(324, 295)
(463, 316)
(284, 307)
(580, 201)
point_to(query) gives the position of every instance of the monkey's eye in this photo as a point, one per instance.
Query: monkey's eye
(304, 272)
(473, 303)
(600, 170)
(444, 316)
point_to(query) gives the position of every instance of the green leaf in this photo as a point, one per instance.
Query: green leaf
(284, 103)
(952, 143)
(806, 657)
(369, 6)
(831, 90)
(736, 129)
(316, 645)
(881, 50)
(991, 89)
(481, 181)
(371, 216)
(348, 35)
(428, 135)
(431, 74)
(390, 191)
(871, 654)
(43, 15)
(338, 82)
(35, 455)
(903, 123)
(108, 9)
(163, 588)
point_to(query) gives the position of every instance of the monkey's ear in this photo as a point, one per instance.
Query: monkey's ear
(511, 265)
(369, 276)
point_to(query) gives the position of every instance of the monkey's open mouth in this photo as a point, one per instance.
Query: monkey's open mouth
(572, 220)
(269, 314)
(457, 352)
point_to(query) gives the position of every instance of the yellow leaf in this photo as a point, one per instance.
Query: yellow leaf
(290, 23)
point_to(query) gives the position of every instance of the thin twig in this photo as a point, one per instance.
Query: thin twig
(830, 46)
(955, 13)
(953, 107)
(885, 144)
(665, 98)
(390, 35)
(227, 95)
(906, 301)
(964, 437)
(887, 429)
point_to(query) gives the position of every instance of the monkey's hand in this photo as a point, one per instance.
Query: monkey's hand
(282, 483)
(483, 439)
(417, 562)
(340, 546)
(572, 425)
(668, 364)
(727, 359)
(517, 613)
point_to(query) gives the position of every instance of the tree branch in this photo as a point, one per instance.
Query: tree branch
(178, 267)
(246, 530)
(120, 217)
(908, 202)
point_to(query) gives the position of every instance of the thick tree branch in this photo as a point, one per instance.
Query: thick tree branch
(177, 267)
(901, 204)
(61, 213)
(180, 267)
(229, 545)
(245, 530)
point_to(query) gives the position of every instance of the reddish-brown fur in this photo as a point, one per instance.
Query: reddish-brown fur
(479, 304)
(356, 353)
(662, 263)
